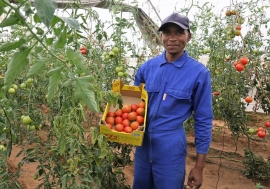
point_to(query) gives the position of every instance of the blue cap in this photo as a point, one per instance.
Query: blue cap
(177, 19)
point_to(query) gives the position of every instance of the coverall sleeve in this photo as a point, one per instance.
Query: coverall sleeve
(139, 76)
(203, 113)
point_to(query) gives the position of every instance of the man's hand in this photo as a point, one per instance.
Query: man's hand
(195, 178)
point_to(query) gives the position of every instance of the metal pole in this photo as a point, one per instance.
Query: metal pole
(154, 9)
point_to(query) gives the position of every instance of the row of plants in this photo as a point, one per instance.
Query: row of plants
(57, 71)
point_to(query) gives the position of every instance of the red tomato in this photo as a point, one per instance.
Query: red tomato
(110, 120)
(134, 125)
(239, 67)
(126, 108)
(140, 119)
(134, 107)
(238, 27)
(235, 63)
(124, 115)
(141, 104)
(261, 134)
(83, 51)
(119, 127)
(109, 125)
(244, 60)
(267, 124)
(126, 122)
(83, 48)
(216, 93)
(128, 129)
(118, 113)
(118, 120)
(110, 114)
(248, 99)
(132, 116)
(260, 129)
(140, 111)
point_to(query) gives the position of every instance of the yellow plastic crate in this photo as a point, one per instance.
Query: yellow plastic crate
(130, 94)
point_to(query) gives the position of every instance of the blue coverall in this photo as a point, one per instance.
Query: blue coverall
(175, 90)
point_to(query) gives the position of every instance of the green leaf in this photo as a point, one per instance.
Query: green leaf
(55, 20)
(85, 94)
(73, 23)
(13, 19)
(53, 82)
(9, 148)
(62, 39)
(94, 135)
(68, 83)
(61, 145)
(45, 10)
(49, 41)
(103, 153)
(38, 49)
(64, 181)
(39, 31)
(76, 58)
(37, 19)
(37, 68)
(17, 63)
(3, 137)
(12, 45)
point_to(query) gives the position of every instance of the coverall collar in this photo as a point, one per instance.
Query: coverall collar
(178, 62)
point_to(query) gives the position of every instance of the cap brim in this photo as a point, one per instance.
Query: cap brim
(178, 24)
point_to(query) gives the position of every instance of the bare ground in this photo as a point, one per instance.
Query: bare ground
(223, 166)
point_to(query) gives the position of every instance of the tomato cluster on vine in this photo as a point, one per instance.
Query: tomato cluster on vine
(126, 119)
(83, 50)
(261, 132)
(240, 64)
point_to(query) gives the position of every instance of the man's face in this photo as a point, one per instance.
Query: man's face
(175, 39)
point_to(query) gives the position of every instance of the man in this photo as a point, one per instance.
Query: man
(177, 86)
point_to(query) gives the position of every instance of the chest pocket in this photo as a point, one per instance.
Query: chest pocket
(176, 102)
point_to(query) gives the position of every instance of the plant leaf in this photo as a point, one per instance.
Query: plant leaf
(53, 82)
(85, 94)
(37, 68)
(13, 19)
(62, 39)
(17, 63)
(73, 23)
(61, 145)
(45, 10)
(12, 45)
(75, 58)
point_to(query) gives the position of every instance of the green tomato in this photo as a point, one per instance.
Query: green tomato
(35, 177)
(11, 91)
(29, 80)
(125, 74)
(14, 86)
(115, 50)
(120, 74)
(111, 54)
(2, 148)
(23, 85)
(118, 69)
(107, 57)
(252, 131)
(27, 120)
(6, 130)
(32, 127)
